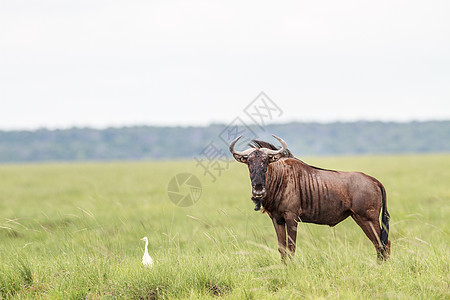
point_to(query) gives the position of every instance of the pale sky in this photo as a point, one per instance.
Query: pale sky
(114, 63)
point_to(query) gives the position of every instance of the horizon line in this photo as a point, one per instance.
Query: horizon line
(112, 126)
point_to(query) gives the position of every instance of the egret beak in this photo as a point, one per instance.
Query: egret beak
(142, 239)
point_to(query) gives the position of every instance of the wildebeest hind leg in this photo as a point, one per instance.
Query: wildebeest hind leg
(372, 229)
(281, 236)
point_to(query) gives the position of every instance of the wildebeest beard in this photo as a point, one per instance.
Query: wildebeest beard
(258, 203)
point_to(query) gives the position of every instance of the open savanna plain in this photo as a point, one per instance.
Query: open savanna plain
(71, 231)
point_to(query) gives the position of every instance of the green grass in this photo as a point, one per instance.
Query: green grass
(71, 231)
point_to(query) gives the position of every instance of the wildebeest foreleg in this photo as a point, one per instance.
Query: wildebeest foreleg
(280, 229)
(291, 226)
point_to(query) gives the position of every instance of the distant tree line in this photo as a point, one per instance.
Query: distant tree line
(152, 142)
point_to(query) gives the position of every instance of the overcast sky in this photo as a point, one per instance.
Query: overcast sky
(113, 63)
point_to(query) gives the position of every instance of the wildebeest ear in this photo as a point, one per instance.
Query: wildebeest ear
(240, 158)
(274, 158)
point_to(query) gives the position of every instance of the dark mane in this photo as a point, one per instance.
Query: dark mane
(287, 153)
(261, 144)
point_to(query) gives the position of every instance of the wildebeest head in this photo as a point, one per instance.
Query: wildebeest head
(257, 161)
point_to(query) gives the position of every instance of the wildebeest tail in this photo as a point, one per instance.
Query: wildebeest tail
(384, 220)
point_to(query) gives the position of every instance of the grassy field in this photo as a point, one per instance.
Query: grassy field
(71, 231)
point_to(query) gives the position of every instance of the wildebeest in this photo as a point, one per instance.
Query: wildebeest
(292, 191)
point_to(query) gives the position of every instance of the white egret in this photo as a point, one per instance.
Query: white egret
(146, 259)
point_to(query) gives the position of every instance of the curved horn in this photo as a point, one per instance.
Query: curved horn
(243, 153)
(279, 151)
